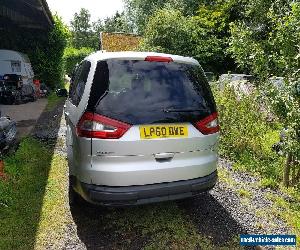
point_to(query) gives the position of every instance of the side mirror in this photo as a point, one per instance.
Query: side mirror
(62, 93)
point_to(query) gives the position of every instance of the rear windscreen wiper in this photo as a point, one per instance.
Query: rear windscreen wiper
(181, 110)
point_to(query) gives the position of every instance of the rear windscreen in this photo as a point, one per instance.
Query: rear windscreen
(141, 92)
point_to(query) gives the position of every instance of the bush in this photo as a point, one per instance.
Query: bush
(266, 43)
(72, 56)
(50, 63)
(169, 31)
(246, 136)
(284, 101)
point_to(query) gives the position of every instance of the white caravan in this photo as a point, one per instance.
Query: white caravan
(13, 62)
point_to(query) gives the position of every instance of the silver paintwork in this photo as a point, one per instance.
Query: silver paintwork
(130, 160)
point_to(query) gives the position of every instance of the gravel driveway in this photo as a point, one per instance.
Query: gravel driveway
(237, 205)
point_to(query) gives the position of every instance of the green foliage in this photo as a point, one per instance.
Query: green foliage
(86, 34)
(22, 195)
(284, 101)
(171, 32)
(117, 23)
(246, 136)
(266, 41)
(53, 101)
(163, 31)
(82, 31)
(50, 60)
(72, 56)
(140, 11)
(203, 35)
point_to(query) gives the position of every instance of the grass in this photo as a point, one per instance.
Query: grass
(34, 211)
(289, 211)
(53, 101)
(244, 193)
(53, 219)
(31, 201)
(157, 226)
(167, 227)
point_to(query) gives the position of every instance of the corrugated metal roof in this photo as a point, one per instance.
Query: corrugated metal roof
(31, 14)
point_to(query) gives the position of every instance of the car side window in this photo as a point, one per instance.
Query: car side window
(78, 85)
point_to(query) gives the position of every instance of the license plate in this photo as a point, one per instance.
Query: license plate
(163, 131)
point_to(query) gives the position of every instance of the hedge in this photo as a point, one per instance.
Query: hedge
(72, 56)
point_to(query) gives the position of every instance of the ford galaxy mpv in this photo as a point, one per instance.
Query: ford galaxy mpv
(141, 128)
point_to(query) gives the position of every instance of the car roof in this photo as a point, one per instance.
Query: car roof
(131, 55)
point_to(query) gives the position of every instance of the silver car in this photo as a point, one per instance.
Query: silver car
(141, 128)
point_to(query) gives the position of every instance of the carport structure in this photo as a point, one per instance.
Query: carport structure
(25, 14)
(23, 23)
(28, 26)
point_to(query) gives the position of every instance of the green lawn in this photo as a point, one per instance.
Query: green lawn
(32, 203)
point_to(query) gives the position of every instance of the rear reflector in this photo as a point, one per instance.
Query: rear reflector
(208, 125)
(97, 126)
(158, 59)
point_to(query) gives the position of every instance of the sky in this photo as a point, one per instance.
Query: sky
(98, 8)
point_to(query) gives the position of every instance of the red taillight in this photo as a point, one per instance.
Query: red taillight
(97, 126)
(208, 125)
(158, 59)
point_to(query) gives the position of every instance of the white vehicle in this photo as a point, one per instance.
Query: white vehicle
(13, 62)
(141, 127)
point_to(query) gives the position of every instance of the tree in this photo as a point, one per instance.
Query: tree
(117, 23)
(203, 36)
(168, 31)
(86, 34)
(140, 11)
(266, 43)
(81, 29)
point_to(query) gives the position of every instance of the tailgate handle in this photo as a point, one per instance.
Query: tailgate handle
(164, 156)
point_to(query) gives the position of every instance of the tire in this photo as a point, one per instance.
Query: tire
(10, 101)
(73, 196)
(32, 98)
(18, 99)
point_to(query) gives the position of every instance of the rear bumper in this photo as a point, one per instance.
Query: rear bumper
(137, 195)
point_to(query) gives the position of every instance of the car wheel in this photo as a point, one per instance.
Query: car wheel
(32, 98)
(18, 99)
(10, 101)
(73, 196)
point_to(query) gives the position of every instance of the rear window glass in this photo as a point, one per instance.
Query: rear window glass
(141, 92)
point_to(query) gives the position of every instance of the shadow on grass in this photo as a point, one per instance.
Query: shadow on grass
(110, 228)
(208, 225)
(212, 219)
(21, 197)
